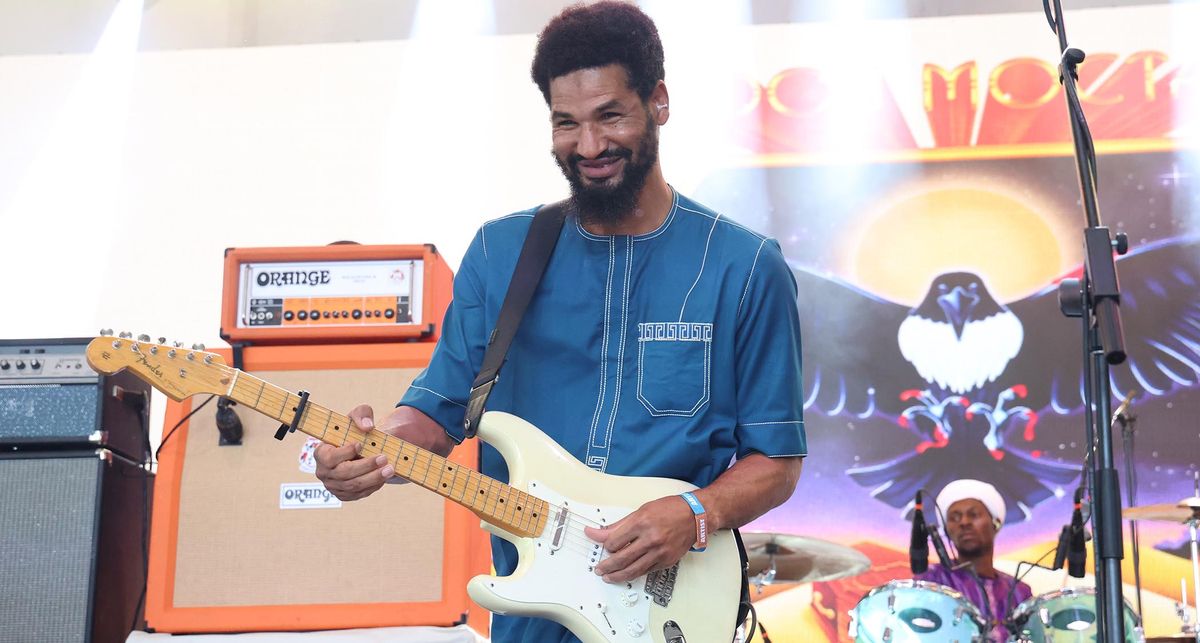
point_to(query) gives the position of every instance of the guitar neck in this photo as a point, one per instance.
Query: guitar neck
(500, 504)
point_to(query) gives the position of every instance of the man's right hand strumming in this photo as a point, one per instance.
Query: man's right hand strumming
(350, 477)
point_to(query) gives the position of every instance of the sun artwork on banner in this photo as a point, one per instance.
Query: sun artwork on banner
(920, 234)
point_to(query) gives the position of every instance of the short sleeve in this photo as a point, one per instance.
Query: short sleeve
(442, 389)
(768, 367)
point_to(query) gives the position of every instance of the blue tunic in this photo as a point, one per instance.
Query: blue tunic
(664, 354)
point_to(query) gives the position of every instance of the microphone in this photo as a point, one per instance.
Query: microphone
(918, 546)
(1077, 552)
(1060, 550)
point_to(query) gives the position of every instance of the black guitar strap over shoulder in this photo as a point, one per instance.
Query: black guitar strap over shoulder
(531, 264)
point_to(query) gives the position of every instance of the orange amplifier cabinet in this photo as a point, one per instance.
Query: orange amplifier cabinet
(334, 293)
(245, 538)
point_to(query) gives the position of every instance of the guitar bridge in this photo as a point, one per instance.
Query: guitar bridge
(661, 584)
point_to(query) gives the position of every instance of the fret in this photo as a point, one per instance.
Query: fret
(428, 470)
(489, 499)
(325, 429)
(406, 458)
(453, 483)
(262, 386)
(523, 511)
(470, 494)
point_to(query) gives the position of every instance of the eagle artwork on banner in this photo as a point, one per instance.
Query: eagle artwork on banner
(970, 377)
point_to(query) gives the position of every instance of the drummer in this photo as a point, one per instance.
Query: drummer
(974, 513)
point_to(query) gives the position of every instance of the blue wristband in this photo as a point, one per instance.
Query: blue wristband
(701, 520)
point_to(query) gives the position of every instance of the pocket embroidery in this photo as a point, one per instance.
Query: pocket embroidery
(674, 366)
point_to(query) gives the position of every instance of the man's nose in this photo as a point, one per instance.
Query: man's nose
(592, 141)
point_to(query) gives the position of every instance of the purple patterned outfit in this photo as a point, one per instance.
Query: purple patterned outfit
(990, 595)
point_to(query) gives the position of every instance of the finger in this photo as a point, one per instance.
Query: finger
(614, 536)
(357, 486)
(622, 558)
(329, 456)
(638, 567)
(351, 469)
(363, 416)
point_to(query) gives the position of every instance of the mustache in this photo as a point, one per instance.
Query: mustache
(610, 153)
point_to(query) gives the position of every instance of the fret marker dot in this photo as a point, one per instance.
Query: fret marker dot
(372, 444)
(443, 485)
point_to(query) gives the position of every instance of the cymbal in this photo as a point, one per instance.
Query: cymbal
(1180, 512)
(800, 559)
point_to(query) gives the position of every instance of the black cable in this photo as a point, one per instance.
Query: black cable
(942, 525)
(179, 424)
(1017, 581)
(146, 467)
(753, 623)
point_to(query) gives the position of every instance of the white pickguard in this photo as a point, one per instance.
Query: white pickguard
(621, 610)
(555, 581)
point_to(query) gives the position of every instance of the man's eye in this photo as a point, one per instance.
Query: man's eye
(608, 116)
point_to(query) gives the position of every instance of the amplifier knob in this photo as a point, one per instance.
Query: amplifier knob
(35, 364)
(389, 313)
(357, 314)
(4, 365)
(288, 315)
(302, 315)
(20, 365)
(314, 313)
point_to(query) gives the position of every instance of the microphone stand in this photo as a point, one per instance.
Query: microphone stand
(1095, 299)
(1128, 429)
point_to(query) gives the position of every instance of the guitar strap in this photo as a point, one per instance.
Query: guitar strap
(531, 264)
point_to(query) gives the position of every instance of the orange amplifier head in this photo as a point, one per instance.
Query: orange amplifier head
(334, 293)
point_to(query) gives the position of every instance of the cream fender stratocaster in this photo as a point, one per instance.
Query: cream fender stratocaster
(551, 496)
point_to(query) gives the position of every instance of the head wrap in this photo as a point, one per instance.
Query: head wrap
(974, 489)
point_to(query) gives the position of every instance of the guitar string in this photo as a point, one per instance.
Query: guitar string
(272, 397)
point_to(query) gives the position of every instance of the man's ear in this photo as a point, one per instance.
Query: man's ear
(660, 103)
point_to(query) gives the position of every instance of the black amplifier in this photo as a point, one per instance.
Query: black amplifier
(51, 399)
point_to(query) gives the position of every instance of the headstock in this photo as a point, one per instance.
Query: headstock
(176, 371)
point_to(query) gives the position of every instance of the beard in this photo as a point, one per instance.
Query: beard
(610, 204)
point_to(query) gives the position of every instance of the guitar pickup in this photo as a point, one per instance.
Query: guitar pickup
(560, 529)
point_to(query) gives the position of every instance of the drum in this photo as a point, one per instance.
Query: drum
(913, 611)
(1065, 616)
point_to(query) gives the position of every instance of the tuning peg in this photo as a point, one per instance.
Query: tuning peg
(177, 344)
(106, 332)
(162, 340)
(125, 335)
(144, 338)
(197, 347)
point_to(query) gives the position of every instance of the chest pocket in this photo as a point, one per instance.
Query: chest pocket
(674, 367)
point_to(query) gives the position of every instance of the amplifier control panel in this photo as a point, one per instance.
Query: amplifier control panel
(35, 363)
(334, 293)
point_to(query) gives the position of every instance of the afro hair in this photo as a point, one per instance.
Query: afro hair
(586, 36)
